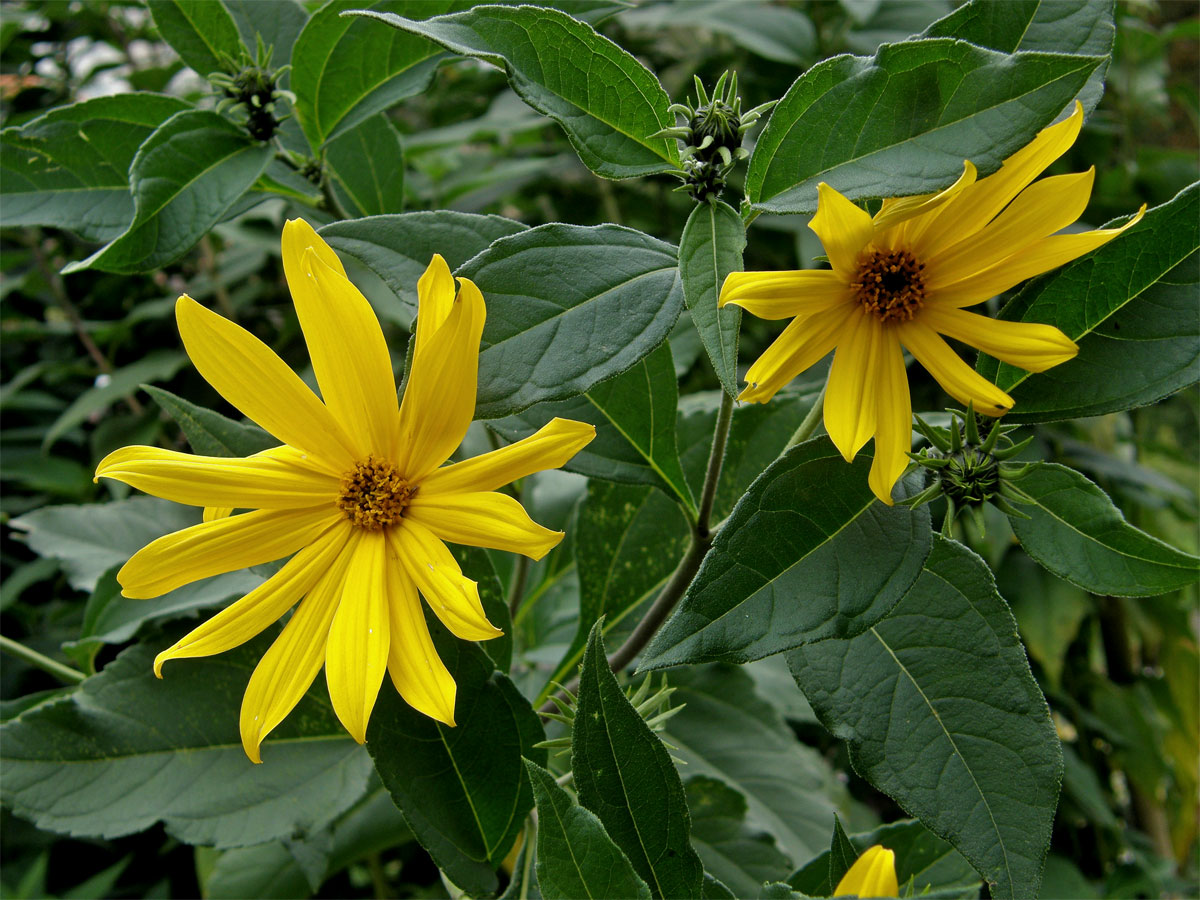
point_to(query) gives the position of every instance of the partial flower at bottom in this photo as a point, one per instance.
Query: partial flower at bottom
(872, 875)
(357, 495)
(903, 279)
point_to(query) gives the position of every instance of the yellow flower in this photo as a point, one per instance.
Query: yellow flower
(872, 875)
(903, 278)
(357, 492)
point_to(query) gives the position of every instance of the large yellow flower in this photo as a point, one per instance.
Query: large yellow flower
(357, 492)
(903, 278)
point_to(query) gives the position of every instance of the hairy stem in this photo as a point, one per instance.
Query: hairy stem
(65, 674)
(685, 571)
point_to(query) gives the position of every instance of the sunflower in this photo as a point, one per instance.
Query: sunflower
(903, 278)
(356, 496)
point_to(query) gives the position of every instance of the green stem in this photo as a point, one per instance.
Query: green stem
(716, 457)
(378, 879)
(809, 425)
(63, 673)
(530, 841)
(516, 588)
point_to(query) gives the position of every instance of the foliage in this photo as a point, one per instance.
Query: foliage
(1010, 705)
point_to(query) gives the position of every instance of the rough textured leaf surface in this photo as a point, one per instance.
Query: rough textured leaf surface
(607, 102)
(127, 750)
(710, 248)
(946, 100)
(942, 713)
(568, 307)
(807, 554)
(1076, 532)
(624, 775)
(184, 179)
(575, 856)
(742, 857)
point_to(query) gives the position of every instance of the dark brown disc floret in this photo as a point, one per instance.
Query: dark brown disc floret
(374, 494)
(890, 284)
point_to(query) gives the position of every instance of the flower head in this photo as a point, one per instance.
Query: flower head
(903, 278)
(872, 875)
(356, 494)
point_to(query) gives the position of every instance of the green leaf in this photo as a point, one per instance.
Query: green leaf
(70, 167)
(634, 415)
(807, 554)
(710, 248)
(624, 775)
(110, 618)
(398, 248)
(1084, 27)
(1048, 611)
(200, 31)
(942, 714)
(366, 165)
(210, 433)
(184, 178)
(727, 731)
(608, 103)
(742, 857)
(1131, 308)
(568, 307)
(126, 751)
(92, 538)
(346, 69)
(841, 853)
(157, 366)
(950, 101)
(921, 856)
(1076, 532)
(270, 870)
(778, 33)
(477, 565)
(463, 790)
(628, 540)
(575, 856)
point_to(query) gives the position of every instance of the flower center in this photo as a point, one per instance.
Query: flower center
(374, 495)
(890, 284)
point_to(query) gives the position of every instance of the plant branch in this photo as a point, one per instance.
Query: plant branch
(716, 457)
(63, 673)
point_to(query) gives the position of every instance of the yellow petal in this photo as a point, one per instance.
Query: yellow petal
(248, 374)
(981, 202)
(224, 545)
(452, 596)
(1042, 209)
(212, 513)
(292, 662)
(1048, 253)
(435, 298)
(893, 420)
(413, 662)
(349, 355)
(482, 519)
(439, 399)
(805, 342)
(957, 379)
(850, 395)
(783, 295)
(298, 237)
(898, 210)
(547, 448)
(844, 230)
(356, 653)
(1029, 345)
(245, 618)
(872, 875)
(252, 483)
